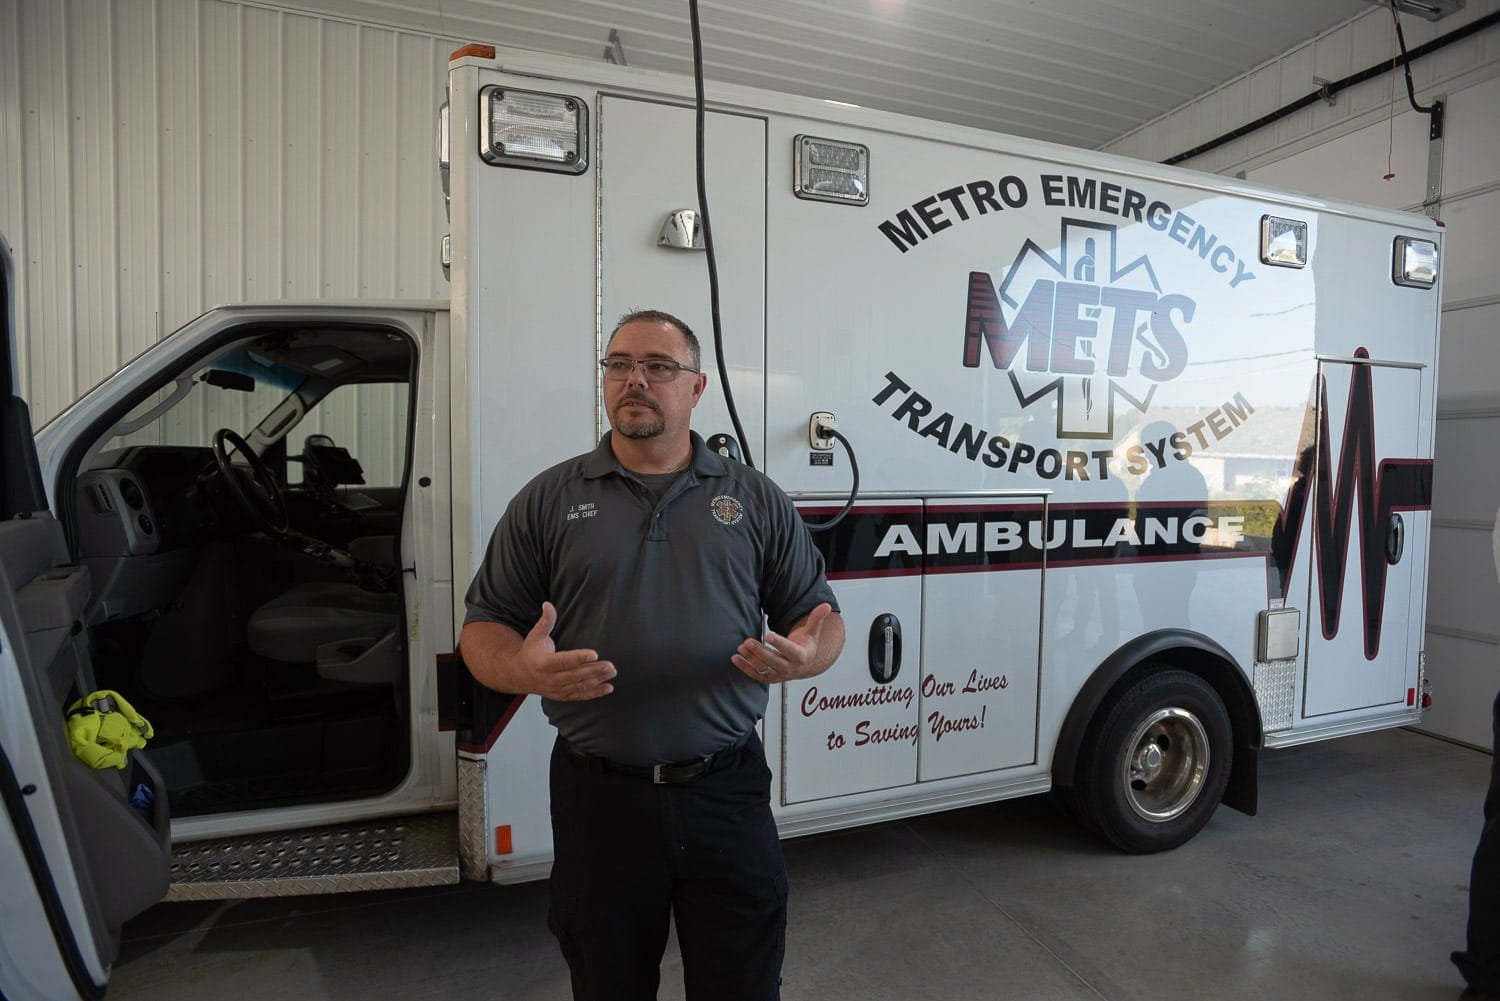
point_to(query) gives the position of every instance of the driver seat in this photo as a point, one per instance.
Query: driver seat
(345, 632)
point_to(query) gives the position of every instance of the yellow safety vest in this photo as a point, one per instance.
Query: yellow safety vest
(103, 728)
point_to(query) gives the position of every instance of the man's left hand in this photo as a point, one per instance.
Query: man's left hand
(806, 650)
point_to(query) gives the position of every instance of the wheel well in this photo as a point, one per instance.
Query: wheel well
(1179, 650)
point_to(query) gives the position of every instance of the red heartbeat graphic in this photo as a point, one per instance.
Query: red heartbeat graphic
(1397, 485)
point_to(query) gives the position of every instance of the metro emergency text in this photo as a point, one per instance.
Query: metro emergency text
(929, 216)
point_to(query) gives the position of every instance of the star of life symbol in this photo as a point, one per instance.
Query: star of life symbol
(1080, 330)
(726, 510)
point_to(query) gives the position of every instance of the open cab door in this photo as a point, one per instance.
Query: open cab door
(77, 859)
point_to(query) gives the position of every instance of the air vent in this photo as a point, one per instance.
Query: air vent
(103, 502)
(132, 494)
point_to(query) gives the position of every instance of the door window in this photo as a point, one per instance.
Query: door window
(369, 420)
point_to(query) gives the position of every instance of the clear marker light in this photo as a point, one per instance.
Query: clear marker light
(1414, 262)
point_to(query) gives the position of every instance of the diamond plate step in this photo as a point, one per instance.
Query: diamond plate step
(387, 854)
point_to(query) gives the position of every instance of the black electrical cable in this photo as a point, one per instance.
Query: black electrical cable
(1327, 91)
(713, 286)
(708, 242)
(1411, 93)
(853, 488)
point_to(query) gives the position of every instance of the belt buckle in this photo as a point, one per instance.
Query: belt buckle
(656, 777)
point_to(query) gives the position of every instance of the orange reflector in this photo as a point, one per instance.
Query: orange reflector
(502, 840)
(476, 50)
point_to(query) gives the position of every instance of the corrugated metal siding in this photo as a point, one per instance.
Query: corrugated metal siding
(164, 156)
(1073, 71)
(1349, 48)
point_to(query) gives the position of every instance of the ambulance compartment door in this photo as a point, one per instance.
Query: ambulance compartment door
(853, 728)
(1368, 525)
(646, 174)
(981, 624)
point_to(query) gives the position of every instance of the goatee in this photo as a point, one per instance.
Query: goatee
(633, 423)
(642, 429)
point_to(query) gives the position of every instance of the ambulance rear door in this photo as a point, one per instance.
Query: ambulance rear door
(1368, 509)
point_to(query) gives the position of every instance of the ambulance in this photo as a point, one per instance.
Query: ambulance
(1122, 475)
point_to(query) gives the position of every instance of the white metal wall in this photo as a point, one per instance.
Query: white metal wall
(159, 157)
(1344, 150)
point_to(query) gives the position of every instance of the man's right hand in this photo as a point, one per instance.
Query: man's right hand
(566, 675)
(502, 659)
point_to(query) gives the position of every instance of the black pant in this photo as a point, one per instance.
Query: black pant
(629, 853)
(1480, 963)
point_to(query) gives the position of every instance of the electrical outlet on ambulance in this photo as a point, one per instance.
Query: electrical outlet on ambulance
(818, 426)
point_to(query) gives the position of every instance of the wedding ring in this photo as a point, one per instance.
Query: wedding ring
(766, 670)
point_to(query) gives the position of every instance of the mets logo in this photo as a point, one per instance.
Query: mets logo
(726, 510)
(1087, 329)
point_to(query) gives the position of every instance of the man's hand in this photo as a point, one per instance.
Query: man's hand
(808, 649)
(502, 659)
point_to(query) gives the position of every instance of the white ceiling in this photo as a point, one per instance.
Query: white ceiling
(1075, 71)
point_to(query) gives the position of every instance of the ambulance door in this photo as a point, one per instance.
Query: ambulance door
(1367, 524)
(853, 728)
(77, 859)
(646, 178)
(982, 619)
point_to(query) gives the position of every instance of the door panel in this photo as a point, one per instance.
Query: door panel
(105, 861)
(980, 673)
(646, 169)
(853, 728)
(1361, 587)
(71, 844)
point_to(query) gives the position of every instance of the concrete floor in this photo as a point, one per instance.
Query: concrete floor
(1351, 883)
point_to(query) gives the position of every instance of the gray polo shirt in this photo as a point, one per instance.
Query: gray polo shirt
(666, 590)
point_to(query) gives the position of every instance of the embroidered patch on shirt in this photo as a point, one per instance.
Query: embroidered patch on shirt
(577, 511)
(726, 510)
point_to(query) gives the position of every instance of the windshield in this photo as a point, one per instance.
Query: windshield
(189, 410)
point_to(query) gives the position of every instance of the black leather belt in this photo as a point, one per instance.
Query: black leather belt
(670, 774)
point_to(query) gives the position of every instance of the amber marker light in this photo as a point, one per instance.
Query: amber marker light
(475, 50)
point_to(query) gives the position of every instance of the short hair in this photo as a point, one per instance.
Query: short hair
(660, 316)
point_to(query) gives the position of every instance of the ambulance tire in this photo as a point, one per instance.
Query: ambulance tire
(1155, 764)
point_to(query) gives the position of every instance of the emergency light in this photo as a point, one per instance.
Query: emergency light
(826, 170)
(1283, 242)
(519, 128)
(1414, 262)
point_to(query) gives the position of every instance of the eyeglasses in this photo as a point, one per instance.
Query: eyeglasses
(618, 368)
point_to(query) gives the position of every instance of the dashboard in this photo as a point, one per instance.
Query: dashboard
(143, 517)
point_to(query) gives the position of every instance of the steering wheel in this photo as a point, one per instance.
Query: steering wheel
(256, 493)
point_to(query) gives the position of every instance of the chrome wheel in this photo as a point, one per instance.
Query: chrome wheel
(1165, 770)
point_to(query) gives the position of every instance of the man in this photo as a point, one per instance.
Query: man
(626, 587)
(1480, 961)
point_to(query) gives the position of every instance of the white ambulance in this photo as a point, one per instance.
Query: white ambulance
(1144, 465)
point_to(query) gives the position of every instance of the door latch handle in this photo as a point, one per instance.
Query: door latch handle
(1395, 540)
(885, 648)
